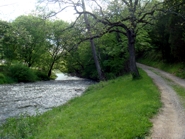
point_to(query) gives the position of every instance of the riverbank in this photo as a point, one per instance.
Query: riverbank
(38, 97)
(119, 108)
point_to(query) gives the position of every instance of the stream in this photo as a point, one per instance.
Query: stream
(30, 98)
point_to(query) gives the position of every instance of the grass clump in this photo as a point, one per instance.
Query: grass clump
(119, 109)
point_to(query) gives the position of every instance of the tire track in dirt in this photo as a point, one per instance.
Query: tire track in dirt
(170, 121)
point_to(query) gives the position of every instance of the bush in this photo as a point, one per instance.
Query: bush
(9, 80)
(2, 78)
(41, 76)
(21, 73)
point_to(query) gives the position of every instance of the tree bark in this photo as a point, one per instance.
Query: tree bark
(132, 61)
(50, 69)
(96, 60)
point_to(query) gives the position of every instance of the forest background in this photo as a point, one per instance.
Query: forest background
(100, 44)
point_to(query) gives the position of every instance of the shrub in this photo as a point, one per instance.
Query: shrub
(2, 78)
(21, 73)
(9, 80)
(41, 76)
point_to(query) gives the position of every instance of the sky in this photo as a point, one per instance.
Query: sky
(10, 9)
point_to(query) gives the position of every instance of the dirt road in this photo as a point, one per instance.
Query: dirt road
(170, 122)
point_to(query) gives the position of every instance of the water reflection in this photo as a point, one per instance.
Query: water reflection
(40, 96)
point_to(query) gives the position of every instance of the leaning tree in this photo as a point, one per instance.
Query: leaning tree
(123, 16)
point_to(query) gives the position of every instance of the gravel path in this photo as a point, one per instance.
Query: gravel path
(170, 122)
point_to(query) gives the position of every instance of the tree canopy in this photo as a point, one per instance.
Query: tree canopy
(102, 43)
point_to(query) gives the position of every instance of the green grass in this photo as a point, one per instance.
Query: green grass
(117, 109)
(178, 69)
(181, 92)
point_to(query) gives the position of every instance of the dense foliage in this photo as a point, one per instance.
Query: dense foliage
(116, 32)
(167, 34)
(21, 73)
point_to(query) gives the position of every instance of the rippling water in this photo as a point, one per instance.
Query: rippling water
(40, 96)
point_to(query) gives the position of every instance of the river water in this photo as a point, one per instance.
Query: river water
(39, 97)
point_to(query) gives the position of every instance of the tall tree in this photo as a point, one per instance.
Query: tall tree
(57, 42)
(8, 42)
(31, 38)
(96, 60)
(123, 16)
(4, 26)
(133, 15)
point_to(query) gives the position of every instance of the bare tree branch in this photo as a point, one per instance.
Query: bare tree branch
(101, 10)
(143, 8)
(126, 3)
(55, 13)
(144, 15)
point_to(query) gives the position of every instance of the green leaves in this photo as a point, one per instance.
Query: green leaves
(143, 41)
(21, 73)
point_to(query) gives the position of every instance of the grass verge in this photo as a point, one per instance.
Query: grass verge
(178, 69)
(119, 109)
(181, 92)
(178, 89)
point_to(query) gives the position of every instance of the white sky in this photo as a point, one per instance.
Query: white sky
(10, 9)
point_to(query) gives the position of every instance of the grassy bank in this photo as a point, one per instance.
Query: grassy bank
(119, 109)
(178, 69)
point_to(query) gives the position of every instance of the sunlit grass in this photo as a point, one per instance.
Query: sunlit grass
(119, 109)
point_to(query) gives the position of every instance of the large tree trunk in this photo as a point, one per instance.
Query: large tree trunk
(96, 60)
(131, 49)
